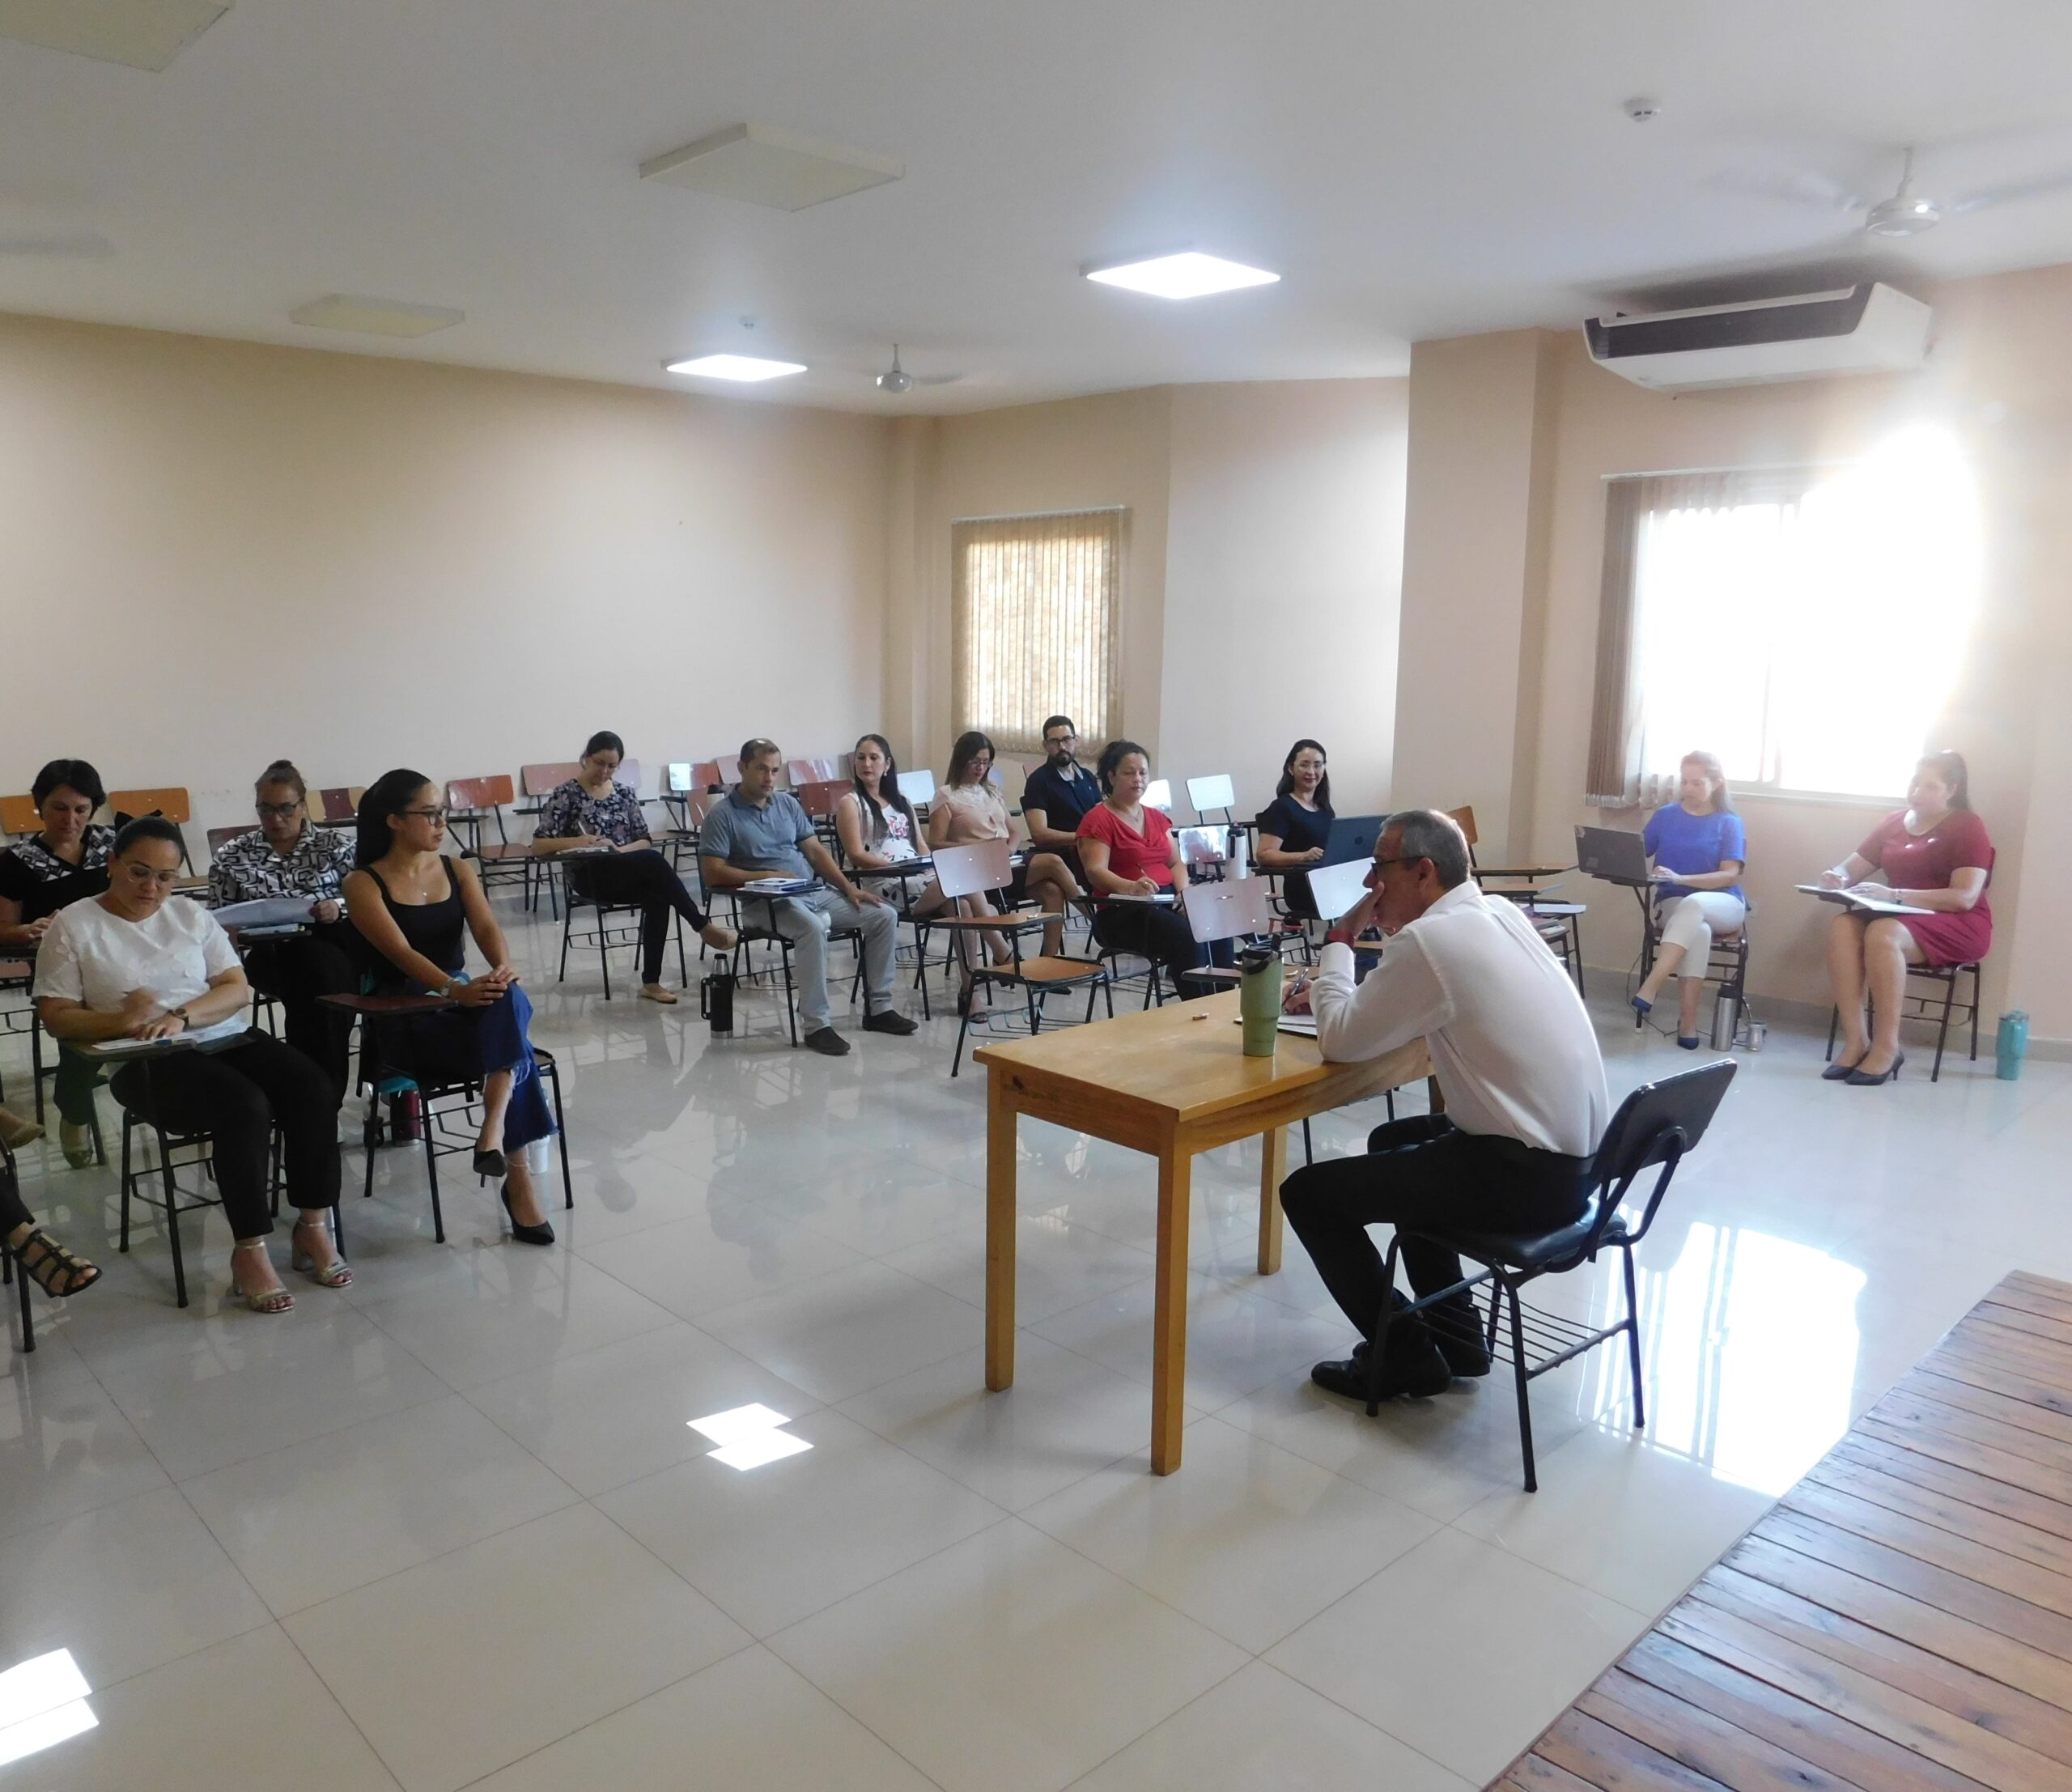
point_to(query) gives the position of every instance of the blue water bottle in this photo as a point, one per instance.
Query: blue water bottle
(2013, 1045)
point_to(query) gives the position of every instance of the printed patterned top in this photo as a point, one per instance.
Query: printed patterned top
(570, 810)
(248, 869)
(43, 883)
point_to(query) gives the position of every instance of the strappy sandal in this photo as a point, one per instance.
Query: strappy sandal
(270, 1300)
(52, 1261)
(337, 1273)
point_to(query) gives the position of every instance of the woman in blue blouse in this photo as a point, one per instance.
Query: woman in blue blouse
(1700, 851)
(593, 815)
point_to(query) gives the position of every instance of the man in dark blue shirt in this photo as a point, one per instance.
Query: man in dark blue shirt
(1058, 793)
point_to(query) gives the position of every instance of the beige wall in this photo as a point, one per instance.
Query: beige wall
(1998, 377)
(218, 552)
(1262, 571)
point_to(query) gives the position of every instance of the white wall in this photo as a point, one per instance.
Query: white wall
(219, 553)
(1283, 566)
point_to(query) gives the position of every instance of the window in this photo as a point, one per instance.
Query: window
(1805, 624)
(1033, 624)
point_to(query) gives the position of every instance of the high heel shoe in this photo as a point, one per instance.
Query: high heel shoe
(1838, 1071)
(1857, 1078)
(337, 1273)
(540, 1234)
(490, 1164)
(268, 1300)
(1641, 1005)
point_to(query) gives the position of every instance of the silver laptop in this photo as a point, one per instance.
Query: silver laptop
(1612, 854)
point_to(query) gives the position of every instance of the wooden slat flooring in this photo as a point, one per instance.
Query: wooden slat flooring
(1901, 1621)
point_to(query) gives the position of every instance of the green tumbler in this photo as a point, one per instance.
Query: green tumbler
(1258, 1000)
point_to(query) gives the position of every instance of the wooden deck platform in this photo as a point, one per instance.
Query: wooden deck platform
(1901, 1621)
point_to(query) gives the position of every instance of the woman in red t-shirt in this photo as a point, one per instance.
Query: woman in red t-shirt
(1130, 854)
(1934, 854)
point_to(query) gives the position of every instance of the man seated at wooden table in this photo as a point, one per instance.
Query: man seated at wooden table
(1517, 1062)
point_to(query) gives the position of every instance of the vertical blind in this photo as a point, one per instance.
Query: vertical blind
(1035, 624)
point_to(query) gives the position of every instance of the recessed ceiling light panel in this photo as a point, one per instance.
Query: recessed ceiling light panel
(768, 167)
(1190, 274)
(375, 317)
(744, 367)
(139, 34)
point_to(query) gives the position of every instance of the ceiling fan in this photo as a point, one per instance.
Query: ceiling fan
(1908, 211)
(897, 380)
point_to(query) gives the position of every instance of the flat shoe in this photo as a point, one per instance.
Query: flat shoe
(76, 1142)
(827, 1042)
(490, 1164)
(16, 1133)
(654, 992)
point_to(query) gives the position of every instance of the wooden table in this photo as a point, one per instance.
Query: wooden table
(1901, 1621)
(1168, 1081)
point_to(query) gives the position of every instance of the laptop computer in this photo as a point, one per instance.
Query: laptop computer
(1352, 836)
(1614, 855)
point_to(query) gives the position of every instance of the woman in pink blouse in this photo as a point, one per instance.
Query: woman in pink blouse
(1934, 855)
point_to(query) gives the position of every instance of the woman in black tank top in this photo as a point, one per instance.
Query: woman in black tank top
(413, 907)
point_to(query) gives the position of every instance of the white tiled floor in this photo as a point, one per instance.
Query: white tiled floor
(451, 1528)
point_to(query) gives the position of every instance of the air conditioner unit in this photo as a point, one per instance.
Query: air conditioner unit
(1870, 327)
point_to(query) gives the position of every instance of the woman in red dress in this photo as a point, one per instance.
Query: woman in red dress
(1934, 854)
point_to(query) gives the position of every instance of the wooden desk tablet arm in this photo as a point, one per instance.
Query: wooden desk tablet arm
(378, 1008)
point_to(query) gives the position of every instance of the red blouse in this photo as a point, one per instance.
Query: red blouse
(1131, 854)
(1929, 861)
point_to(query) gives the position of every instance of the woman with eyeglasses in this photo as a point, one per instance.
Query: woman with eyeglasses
(65, 862)
(140, 963)
(1295, 827)
(288, 856)
(600, 819)
(413, 908)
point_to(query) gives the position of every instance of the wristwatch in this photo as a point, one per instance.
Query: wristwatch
(184, 1023)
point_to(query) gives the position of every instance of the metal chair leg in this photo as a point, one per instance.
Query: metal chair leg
(1525, 1400)
(122, 1237)
(1942, 1031)
(553, 1074)
(1633, 1337)
(426, 1127)
(171, 1215)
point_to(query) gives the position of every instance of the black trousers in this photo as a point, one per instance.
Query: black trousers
(1417, 1172)
(646, 878)
(236, 1095)
(297, 972)
(1162, 934)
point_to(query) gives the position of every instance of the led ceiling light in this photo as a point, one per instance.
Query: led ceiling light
(374, 317)
(747, 368)
(767, 167)
(1190, 274)
(139, 34)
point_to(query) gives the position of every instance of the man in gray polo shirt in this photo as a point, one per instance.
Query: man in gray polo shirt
(760, 831)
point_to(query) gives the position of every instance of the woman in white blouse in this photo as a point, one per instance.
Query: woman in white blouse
(139, 963)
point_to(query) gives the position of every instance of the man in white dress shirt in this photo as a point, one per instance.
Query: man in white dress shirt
(1518, 1063)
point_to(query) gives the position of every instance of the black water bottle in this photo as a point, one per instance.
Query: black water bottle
(716, 1002)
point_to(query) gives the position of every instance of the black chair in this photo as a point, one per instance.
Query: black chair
(1657, 1125)
(10, 1180)
(605, 934)
(1926, 1009)
(1727, 966)
(137, 1182)
(391, 1073)
(752, 932)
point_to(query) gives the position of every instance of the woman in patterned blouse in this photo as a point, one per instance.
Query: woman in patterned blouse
(66, 862)
(593, 815)
(287, 855)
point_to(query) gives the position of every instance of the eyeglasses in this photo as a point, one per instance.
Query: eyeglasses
(143, 874)
(1059, 739)
(439, 814)
(279, 811)
(1412, 861)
